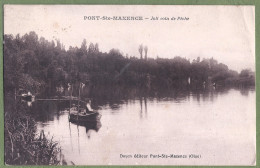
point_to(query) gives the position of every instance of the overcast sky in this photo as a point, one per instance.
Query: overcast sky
(226, 33)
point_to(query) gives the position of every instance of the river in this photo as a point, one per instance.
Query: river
(217, 127)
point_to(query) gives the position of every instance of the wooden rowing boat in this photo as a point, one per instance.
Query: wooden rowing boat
(83, 117)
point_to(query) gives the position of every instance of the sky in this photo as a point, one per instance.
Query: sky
(226, 33)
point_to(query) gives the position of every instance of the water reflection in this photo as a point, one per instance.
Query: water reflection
(90, 126)
(95, 126)
(143, 110)
(245, 92)
(45, 111)
(114, 97)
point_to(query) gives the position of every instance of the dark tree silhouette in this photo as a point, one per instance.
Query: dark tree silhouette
(140, 49)
(96, 48)
(91, 48)
(33, 63)
(145, 52)
(84, 45)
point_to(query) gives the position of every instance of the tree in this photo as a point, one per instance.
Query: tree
(145, 51)
(59, 45)
(96, 48)
(198, 59)
(245, 73)
(140, 49)
(91, 48)
(30, 40)
(84, 45)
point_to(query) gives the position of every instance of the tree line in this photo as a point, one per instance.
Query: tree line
(33, 63)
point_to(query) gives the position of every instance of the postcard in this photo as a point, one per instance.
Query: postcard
(129, 85)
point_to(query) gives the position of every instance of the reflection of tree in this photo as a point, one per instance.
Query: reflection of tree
(47, 110)
(141, 107)
(114, 96)
(245, 91)
(145, 105)
(141, 99)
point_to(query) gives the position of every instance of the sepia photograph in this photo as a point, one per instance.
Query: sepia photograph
(129, 85)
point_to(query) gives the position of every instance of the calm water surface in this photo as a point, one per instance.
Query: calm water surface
(218, 125)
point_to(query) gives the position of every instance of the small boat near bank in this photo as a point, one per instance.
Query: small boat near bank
(83, 117)
(27, 97)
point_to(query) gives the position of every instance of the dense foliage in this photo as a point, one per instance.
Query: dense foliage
(32, 63)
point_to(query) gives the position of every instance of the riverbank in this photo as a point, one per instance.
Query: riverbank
(23, 146)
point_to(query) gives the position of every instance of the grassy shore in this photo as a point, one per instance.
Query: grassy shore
(23, 145)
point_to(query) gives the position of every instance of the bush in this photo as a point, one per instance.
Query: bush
(23, 146)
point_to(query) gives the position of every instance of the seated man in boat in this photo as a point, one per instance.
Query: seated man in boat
(88, 107)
